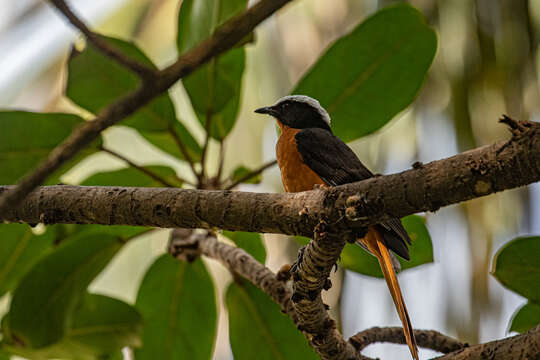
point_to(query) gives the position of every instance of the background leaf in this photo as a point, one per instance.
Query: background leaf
(258, 329)
(386, 60)
(20, 249)
(242, 171)
(26, 139)
(251, 242)
(96, 81)
(101, 327)
(527, 317)
(133, 177)
(214, 89)
(178, 305)
(43, 303)
(517, 266)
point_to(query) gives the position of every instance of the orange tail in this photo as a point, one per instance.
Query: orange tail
(376, 245)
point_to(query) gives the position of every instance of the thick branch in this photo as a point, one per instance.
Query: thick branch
(429, 339)
(138, 68)
(310, 276)
(520, 347)
(224, 38)
(504, 165)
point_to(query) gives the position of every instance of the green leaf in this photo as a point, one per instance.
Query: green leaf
(258, 329)
(250, 242)
(527, 317)
(517, 266)
(178, 305)
(133, 177)
(27, 138)
(214, 89)
(370, 75)
(356, 259)
(42, 307)
(95, 81)
(242, 171)
(101, 327)
(20, 249)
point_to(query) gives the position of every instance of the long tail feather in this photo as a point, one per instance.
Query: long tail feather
(376, 245)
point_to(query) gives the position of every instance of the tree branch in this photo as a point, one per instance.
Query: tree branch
(347, 208)
(223, 38)
(429, 339)
(520, 347)
(310, 276)
(143, 71)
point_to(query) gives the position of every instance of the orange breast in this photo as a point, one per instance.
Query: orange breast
(295, 175)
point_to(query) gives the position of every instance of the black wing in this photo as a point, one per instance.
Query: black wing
(337, 164)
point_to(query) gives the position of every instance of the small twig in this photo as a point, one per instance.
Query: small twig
(143, 71)
(251, 174)
(429, 339)
(184, 151)
(189, 243)
(143, 169)
(207, 129)
(221, 163)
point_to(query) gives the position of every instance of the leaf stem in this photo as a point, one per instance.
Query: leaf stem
(184, 152)
(251, 174)
(142, 169)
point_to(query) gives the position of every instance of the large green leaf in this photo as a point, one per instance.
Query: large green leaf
(178, 305)
(242, 171)
(20, 249)
(214, 89)
(517, 266)
(101, 327)
(42, 307)
(370, 75)
(527, 317)
(96, 81)
(27, 138)
(258, 329)
(133, 177)
(250, 242)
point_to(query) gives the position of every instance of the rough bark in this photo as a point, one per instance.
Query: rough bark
(520, 347)
(476, 173)
(429, 339)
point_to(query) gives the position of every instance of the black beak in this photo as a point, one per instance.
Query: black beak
(267, 110)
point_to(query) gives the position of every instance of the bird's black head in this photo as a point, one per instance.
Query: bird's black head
(299, 112)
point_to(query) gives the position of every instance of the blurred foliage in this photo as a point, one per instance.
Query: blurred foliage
(178, 305)
(257, 328)
(517, 266)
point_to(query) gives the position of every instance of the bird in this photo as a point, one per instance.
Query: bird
(310, 155)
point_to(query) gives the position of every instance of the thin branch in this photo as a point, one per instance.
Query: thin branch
(221, 160)
(188, 244)
(347, 208)
(251, 174)
(184, 151)
(144, 170)
(143, 71)
(207, 129)
(224, 38)
(428, 339)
